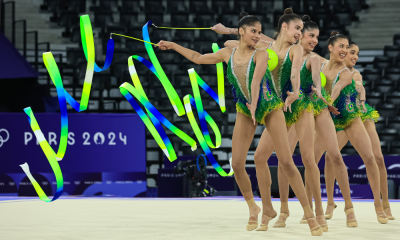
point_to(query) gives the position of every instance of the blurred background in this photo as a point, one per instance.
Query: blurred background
(31, 27)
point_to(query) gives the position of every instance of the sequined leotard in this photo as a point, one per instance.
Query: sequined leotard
(281, 80)
(306, 84)
(371, 113)
(240, 77)
(345, 103)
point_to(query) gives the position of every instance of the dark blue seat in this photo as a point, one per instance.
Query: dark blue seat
(311, 5)
(159, 34)
(392, 74)
(383, 62)
(384, 86)
(199, 7)
(154, 6)
(103, 19)
(387, 110)
(391, 51)
(181, 20)
(389, 135)
(372, 74)
(393, 98)
(177, 6)
(184, 35)
(156, 18)
(209, 36)
(356, 5)
(128, 19)
(132, 6)
(110, 5)
(396, 39)
(293, 4)
(395, 148)
(223, 7)
(243, 6)
(374, 98)
(68, 19)
(264, 6)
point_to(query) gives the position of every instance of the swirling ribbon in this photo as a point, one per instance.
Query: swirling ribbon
(63, 97)
(156, 117)
(153, 122)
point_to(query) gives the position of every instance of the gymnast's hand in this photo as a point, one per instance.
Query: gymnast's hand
(319, 94)
(221, 29)
(289, 100)
(363, 105)
(252, 109)
(165, 45)
(333, 110)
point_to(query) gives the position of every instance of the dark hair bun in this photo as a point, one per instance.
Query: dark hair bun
(242, 15)
(288, 11)
(306, 18)
(334, 33)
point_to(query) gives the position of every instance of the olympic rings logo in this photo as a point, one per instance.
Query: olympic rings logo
(2, 140)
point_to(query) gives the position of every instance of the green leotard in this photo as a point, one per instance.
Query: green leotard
(345, 103)
(371, 113)
(268, 101)
(281, 80)
(306, 84)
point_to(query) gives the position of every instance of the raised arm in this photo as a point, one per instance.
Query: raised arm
(221, 29)
(261, 60)
(198, 58)
(344, 80)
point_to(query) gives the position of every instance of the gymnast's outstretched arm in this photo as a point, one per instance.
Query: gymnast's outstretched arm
(221, 29)
(196, 57)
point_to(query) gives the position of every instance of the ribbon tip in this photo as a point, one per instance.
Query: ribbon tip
(25, 167)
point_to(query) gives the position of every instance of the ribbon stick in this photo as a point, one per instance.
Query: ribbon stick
(137, 39)
(182, 28)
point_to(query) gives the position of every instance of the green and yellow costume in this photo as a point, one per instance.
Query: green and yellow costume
(240, 77)
(371, 113)
(345, 103)
(306, 82)
(281, 79)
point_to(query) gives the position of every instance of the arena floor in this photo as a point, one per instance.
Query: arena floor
(154, 218)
